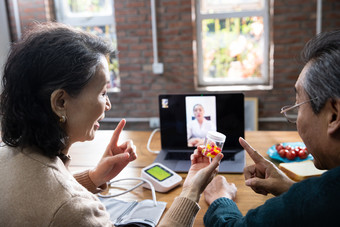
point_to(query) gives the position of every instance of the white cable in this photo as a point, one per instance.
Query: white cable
(136, 186)
(149, 141)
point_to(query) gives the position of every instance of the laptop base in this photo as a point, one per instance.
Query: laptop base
(231, 164)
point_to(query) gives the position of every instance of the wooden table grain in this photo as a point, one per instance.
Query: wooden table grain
(87, 154)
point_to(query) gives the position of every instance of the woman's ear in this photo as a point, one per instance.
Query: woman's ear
(334, 116)
(58, 102)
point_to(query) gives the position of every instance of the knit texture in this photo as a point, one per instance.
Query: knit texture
(40, 191)
(182, 213)
(311, 202)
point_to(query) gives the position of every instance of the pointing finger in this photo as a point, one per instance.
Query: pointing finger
(251, 151)
(117, 131)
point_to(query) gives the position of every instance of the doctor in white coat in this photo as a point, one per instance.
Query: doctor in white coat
(198, 128)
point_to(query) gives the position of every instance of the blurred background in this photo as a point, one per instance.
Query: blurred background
(189, 46)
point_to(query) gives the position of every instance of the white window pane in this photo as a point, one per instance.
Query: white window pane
(224, 6)
(108, 32)
(87, 8)
(97, 17)
(232, 49)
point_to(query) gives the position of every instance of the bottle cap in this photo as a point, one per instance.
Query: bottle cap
(216, 136)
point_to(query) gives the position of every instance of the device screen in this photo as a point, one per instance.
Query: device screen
(158, 173)
(223, 112)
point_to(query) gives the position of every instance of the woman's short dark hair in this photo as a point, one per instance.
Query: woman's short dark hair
(322, 80)
(50, 56)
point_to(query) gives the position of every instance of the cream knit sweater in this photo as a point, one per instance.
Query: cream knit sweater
(39, 191)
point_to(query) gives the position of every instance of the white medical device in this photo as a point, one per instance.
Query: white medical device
(161, 177)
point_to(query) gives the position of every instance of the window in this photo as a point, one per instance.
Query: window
(96, 16)
(232, 44)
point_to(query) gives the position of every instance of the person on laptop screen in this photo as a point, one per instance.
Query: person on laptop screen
(199, 126)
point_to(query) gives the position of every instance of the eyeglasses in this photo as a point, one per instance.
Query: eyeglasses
(291, 111)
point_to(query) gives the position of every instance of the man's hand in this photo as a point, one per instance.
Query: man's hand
(263, 176)
(218, 188)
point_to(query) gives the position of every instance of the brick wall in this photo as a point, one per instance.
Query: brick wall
(139, 86)
(30, 11)
(293, 23)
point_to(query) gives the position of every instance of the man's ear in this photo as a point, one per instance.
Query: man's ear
(58, 102)
(334, 116)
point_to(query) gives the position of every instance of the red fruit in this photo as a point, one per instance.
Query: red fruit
(303, 154)
(291, 155)
(288, 147)
(282, 153)
(279, 146)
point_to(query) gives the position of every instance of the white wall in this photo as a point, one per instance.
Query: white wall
(4, 35)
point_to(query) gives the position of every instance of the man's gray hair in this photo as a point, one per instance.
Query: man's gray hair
(322, 78)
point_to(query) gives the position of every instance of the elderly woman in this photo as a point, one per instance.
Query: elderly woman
(54, 94)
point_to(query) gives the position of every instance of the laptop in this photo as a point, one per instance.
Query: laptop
(178, 114)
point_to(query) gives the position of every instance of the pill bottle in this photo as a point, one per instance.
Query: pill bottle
(213, 143)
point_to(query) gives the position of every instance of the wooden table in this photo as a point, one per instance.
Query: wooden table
(87, 154)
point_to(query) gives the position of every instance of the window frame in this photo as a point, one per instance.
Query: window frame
(264, 83)
(90, 21)
(95, 20)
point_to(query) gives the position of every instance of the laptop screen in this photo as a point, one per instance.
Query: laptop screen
(186, 118)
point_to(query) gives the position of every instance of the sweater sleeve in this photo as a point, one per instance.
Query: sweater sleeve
(220, 212)
(81, 211)
(312, 202)
(181, 213)
(276, 211)
(83, 178)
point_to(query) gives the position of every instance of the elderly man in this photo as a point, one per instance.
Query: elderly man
(312, 202)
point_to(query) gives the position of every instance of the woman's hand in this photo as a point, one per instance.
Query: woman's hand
(201, 172)
(114, 159)
(263, 176)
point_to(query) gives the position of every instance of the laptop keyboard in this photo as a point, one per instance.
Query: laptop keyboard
(178, 156)
(186, 156)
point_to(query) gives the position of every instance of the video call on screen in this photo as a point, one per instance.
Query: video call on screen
(223, 112)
